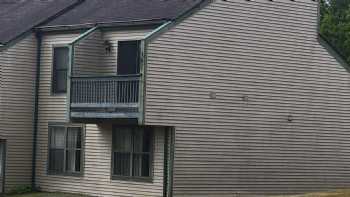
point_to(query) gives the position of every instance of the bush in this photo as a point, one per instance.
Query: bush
(21, 189)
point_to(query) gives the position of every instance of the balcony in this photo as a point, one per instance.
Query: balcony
(105, 97)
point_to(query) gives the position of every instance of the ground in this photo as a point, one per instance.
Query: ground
(340, 193)
(45, 195)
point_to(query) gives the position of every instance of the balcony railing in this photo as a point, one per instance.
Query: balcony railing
(111, 93)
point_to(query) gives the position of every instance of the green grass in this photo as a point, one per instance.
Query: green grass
(41, 194)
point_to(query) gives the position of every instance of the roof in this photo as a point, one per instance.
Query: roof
(19, 16)
(123, 11)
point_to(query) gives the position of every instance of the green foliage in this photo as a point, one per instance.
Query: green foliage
(335, 24)
(21, 189)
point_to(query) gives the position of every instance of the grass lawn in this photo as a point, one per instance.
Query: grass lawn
(45, 195)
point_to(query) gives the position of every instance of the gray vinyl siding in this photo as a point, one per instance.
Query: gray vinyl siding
(113, 37)
(229, 78)
(88, 56)
(96, 177)
(91, 58)
(18, 66)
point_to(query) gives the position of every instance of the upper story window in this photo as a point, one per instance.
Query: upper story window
(128, 57)
(65, 150)
(132, 152)
(60, 68)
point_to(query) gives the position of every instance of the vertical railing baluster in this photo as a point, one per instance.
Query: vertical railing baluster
(112, 90)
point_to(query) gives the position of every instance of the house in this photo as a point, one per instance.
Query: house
(171, 98)
(18, 48)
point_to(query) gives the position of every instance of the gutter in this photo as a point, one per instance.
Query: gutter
(36, 107)
(103, 24)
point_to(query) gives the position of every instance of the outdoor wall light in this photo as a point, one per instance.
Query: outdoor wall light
(290, 118)
(108, 46)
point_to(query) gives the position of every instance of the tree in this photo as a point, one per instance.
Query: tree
(335, 24)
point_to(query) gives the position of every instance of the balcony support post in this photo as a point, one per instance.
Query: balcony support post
(142, 83)
(70, 68)
(69, 80)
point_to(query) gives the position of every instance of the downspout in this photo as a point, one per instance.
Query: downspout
(168, 148)
(36, 107)
(149, 37)
(171, 161)
(166, 162)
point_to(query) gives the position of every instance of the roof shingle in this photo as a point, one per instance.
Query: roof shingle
(19, 16)
(114, 11)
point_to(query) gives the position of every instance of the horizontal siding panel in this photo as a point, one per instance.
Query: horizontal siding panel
(96, 180)
(278, 120)
(18, 66)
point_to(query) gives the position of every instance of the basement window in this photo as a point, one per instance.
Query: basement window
(128, 57)
(65, 150)
(131, 157)
(60, 68)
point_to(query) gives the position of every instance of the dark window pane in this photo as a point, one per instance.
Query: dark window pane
(138, 140)
(142, 140)
(73, 160)
(60, 81)
(73, 155)
(60, 65)
(122, 140)
(128, 57)
(61, 57)
(77, 160)
(141, 165)
(122, 164)
(73, 138)
(147, 140)
(57, 137)
(56, 158)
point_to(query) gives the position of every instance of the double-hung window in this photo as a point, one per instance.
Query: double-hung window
(65, 150)
(131, 157)
(60, 68)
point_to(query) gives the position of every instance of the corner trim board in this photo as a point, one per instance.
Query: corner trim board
(36, 108)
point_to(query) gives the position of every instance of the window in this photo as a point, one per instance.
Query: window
(132, 152)
(60, 67)
(128, 57)
(65, 150)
